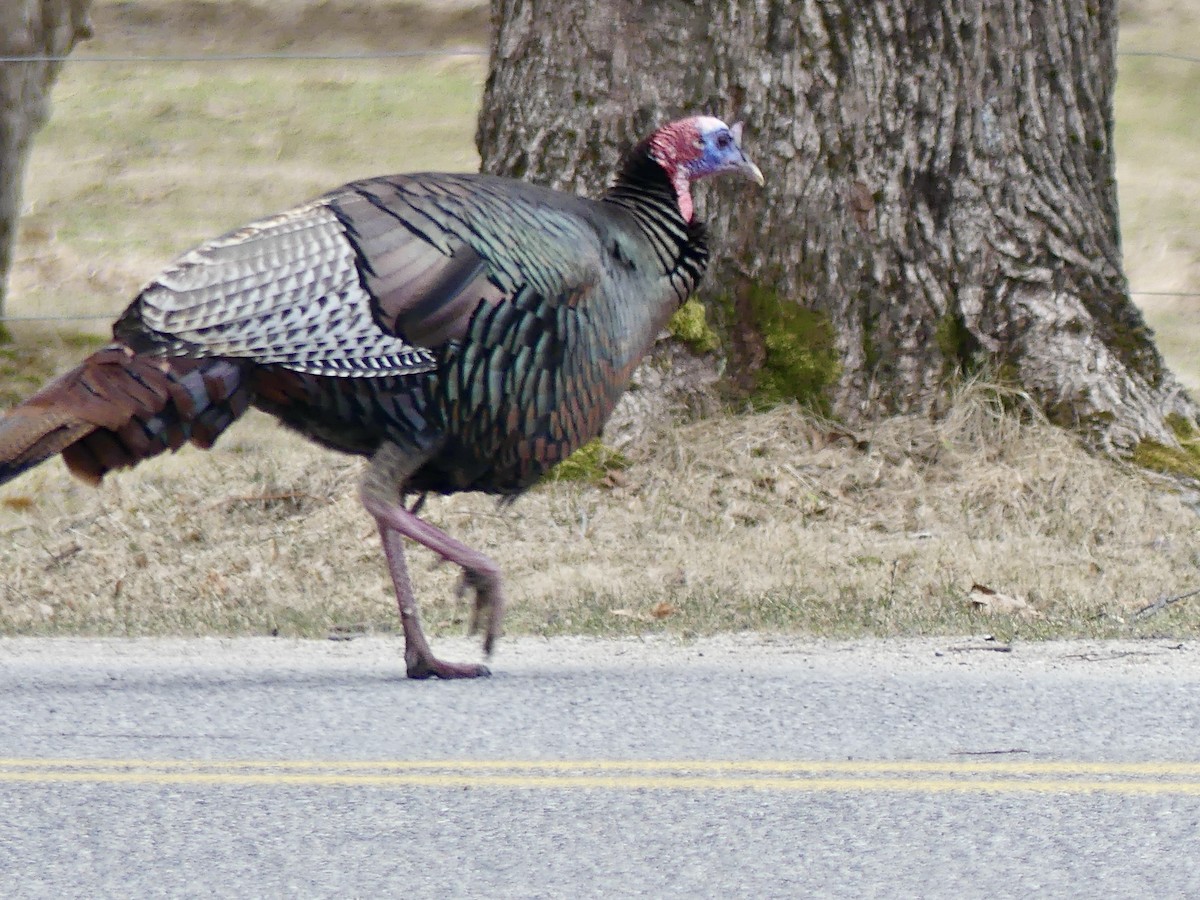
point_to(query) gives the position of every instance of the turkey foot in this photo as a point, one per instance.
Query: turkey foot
(428, 666)
(489, 604)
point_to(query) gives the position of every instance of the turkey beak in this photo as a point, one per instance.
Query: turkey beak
(753, 172)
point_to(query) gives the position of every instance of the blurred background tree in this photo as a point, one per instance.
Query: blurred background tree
(37, 28)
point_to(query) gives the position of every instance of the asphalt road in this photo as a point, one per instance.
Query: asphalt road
(733, 768)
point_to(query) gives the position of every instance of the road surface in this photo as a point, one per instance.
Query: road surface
(731, 767)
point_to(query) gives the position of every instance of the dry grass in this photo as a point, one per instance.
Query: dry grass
(775, 521)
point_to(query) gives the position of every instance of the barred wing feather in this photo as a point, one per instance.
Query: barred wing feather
(285, 291)
(370, 279)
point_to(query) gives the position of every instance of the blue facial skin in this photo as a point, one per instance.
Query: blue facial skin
(721, 153)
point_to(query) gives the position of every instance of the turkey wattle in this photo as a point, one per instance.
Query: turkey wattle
(463, 332)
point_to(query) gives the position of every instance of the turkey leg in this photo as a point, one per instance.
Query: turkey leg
(418, 657)
(381, 497)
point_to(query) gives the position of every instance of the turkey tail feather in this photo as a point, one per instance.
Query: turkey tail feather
(29, 436)
(118, 408)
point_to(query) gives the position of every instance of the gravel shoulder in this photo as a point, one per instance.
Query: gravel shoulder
(735, 654)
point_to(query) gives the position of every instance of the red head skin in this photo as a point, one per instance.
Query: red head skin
(673, 147)
(694, 148)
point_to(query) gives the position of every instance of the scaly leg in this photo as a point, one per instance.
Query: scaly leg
(418, 657)
(381, 497)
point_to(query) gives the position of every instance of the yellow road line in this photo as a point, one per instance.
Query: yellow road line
(816, 776)
(615, 782)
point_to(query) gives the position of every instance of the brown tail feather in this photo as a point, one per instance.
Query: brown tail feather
(118, 408)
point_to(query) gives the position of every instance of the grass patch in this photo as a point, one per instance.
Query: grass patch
(27, 364)
(1182, 460)
(141, 161)
(800, 354)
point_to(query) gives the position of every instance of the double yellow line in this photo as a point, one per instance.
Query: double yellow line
(812, 776)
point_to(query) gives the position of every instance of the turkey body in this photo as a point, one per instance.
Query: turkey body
(464, 332)
(525, 345)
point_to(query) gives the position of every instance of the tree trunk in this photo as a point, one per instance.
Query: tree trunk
(940, 191)
(28, 28)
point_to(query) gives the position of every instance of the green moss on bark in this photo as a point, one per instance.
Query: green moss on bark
(1182, 427)
(1181, 460)
(592, 463)
(801, 359)
(690, 325)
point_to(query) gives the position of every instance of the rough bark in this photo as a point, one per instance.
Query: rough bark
(940, 189)
(28, 28)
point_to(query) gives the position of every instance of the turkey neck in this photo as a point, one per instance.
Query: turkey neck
(644, 190)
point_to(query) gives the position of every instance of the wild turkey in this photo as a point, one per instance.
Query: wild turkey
(464, 332)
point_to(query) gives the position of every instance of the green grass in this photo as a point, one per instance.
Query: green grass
(28, 364)
(206, 149)
(141, 161)
(1158, 149)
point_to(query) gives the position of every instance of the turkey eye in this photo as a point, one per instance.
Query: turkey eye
(723, 140)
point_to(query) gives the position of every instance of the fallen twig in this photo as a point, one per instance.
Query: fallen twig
(988, 752)
(294, 497)
(1121, 654)
(995, 648)
(1162, 603)
(58, 557)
